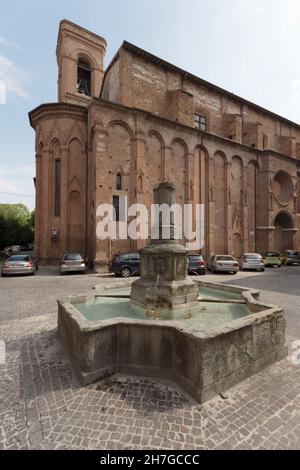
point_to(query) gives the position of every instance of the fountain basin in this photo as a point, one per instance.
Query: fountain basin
(204, 357)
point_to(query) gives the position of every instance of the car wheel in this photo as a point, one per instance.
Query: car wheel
(125, 272)
(33, 273)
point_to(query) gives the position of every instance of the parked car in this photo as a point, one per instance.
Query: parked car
(290, 257)
(12, 249)
(126, 264)
(226, 263)
(272, 258)
(19, 264)
(196, 264)
(72, 262)
(27, 247)
(252, 261)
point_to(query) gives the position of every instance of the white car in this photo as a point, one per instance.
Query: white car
(72, 262)
(252, 261)
(12, 249)
(225, 263)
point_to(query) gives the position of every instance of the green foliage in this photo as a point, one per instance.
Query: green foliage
(16, 225)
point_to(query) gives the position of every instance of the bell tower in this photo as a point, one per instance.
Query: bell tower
(80, 56)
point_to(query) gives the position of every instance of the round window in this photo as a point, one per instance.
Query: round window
(282, 187)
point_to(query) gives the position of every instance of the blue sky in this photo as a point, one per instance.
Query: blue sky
(245, 46)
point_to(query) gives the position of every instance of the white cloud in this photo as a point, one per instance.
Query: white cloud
(13, 77)
(5, 42)
(28, 170)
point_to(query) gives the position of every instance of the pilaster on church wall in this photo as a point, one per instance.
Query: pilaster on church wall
(246, 209)
(102, 247)
(228, 213)
(64, 202)
(46, 229)
(168, 162)
(138, 159)
(210, 239)
(190, 171)
(38, 201)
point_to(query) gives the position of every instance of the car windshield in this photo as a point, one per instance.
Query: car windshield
(224, 258)
(195, 258)
(73, 257)
(271, 254)
(19, 258)
(253, 256)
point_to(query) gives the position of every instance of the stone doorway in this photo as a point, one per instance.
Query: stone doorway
(284, 232)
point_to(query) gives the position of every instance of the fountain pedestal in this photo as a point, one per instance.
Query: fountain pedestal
(164, 287)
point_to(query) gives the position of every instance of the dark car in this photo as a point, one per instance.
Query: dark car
(196, 264)
(126, 265)
(291, 257)
(27, 247)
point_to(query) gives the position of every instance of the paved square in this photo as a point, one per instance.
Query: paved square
(42, 405)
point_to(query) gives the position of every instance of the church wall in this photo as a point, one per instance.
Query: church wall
(111, 90)
(164, 92)
(146, 149)
(239, 169)
(60, 138)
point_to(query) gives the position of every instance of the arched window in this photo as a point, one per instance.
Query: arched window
(83, 78)
(119, 181)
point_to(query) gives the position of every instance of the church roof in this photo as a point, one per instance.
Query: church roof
(200, 81)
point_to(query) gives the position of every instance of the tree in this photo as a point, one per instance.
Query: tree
(16, 225)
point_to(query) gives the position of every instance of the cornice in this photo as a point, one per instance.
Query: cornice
(48, 109)
(80, 32)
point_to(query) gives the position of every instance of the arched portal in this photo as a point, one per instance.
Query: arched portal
(284, 232)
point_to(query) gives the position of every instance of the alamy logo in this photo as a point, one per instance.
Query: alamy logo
(161, 222)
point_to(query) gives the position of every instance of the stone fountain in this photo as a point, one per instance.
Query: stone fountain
(161, 327)
(164, 289)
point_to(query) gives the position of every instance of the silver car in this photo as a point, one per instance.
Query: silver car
(72, 262)
(252, 261)
(18, 264)
(226, 263)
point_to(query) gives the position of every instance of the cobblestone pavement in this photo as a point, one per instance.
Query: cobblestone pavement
(42, 405)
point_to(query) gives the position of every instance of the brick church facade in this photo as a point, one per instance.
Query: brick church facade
(118, 132)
